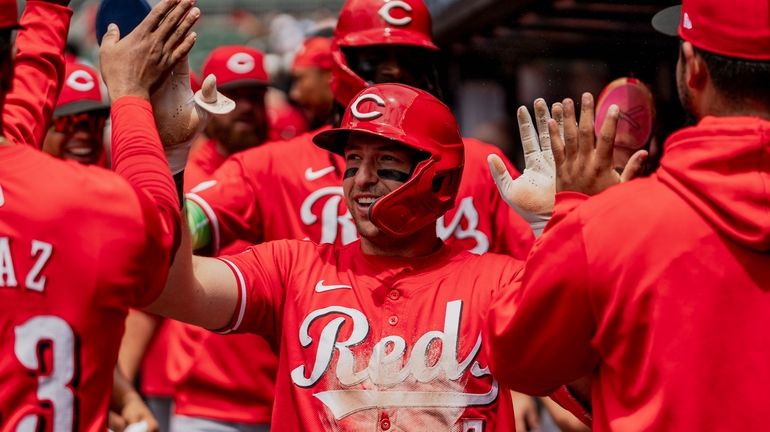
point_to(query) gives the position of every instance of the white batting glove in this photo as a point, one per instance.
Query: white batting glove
(532, 194)
(180, 116)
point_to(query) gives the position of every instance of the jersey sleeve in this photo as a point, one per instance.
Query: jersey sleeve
(548, 320)
(38, 72)
(230, 205)
(139, 158)
(261, 273)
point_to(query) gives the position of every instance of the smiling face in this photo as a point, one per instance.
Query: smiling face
(374, 167)
(77, 137)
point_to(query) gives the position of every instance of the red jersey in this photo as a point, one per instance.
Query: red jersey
(375, 343)
(293, 189)
(203, 161)
(65, 288)
(229, 378)
(666, 305)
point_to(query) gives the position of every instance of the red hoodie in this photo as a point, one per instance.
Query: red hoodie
(658, 288)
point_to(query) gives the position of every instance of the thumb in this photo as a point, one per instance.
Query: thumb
(112, 36)
(500, 174)
(209, 89)
(634, 166)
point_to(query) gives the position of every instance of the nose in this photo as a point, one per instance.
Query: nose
(390, 69)
(366, 176)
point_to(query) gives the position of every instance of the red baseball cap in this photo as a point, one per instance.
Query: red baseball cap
(737, 28)
(82, 91)
(236, 65)
(637, 112)
(9, 15)
(315, 52)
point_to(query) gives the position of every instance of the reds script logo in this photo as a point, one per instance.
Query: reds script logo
(386, 13)
(388, 367)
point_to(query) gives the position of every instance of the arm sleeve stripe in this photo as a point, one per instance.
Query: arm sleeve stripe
(214, 222)
(242, 296)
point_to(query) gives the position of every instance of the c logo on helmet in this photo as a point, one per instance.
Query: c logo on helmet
(385, 13)
(370, 115)
(241, 63)
(81, 81)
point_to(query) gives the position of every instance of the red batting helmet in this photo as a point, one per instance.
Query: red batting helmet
(375, 22)
(637, 112)
(415, 119)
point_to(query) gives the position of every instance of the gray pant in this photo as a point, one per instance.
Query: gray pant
(197, 424)
(161, 408)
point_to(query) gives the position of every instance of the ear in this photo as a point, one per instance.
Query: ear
(697, 74)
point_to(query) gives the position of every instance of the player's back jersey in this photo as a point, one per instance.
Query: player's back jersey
(293, 190)
(376, 343)
(78, 246)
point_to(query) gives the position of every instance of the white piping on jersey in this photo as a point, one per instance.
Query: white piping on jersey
(242, 286)
(212, 218)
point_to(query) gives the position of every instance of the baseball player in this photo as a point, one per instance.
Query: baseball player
(65, 291)
(669, 317)
(383, 333)
(82, 109)
(310, 74)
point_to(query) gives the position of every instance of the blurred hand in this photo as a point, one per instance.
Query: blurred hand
(133, 65)
(134, 411)
(526, 412)
(583, 161)
(531, 195)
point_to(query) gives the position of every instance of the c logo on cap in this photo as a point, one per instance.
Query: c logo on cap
(241, 63)
(81, 81)
(385, 13)
(370, 115)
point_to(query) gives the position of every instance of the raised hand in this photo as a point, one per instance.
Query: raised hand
(583, 161)
(136, 63)
(532, 193)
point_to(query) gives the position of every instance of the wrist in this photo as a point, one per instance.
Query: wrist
(117, 93)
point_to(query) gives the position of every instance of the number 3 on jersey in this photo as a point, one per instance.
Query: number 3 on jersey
(54, 383)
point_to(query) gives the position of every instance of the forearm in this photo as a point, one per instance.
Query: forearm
(38, 72)
(140, 329)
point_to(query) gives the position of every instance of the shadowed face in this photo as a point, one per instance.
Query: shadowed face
(244, 127)
(374, 167)
(77, 137)
(311, 91)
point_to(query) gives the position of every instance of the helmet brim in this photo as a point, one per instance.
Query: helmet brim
(391, 37)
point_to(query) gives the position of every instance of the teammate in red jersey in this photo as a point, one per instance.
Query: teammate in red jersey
(384, 332)
(79, 118)
(310, 75)
(670, 315)
(241, 76)
(65, 292)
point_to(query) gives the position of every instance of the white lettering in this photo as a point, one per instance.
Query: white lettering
(386, 365)
(7, 274)
(81, 81)
(331, 221)
(370, 115)
(43, 251)
(466, 210)
(387, 15)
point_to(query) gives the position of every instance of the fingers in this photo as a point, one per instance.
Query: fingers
(182, 30)
(557, 111)
(184, 48)
(635, 166)
(606, 140)
(499, 173)
(586, 125)
(557, 143)
(153, 20)
(542, 116)
(112, 36)
(173, 19)
(527, 132)
(570, 129)
(209, 89)
(116, 422)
